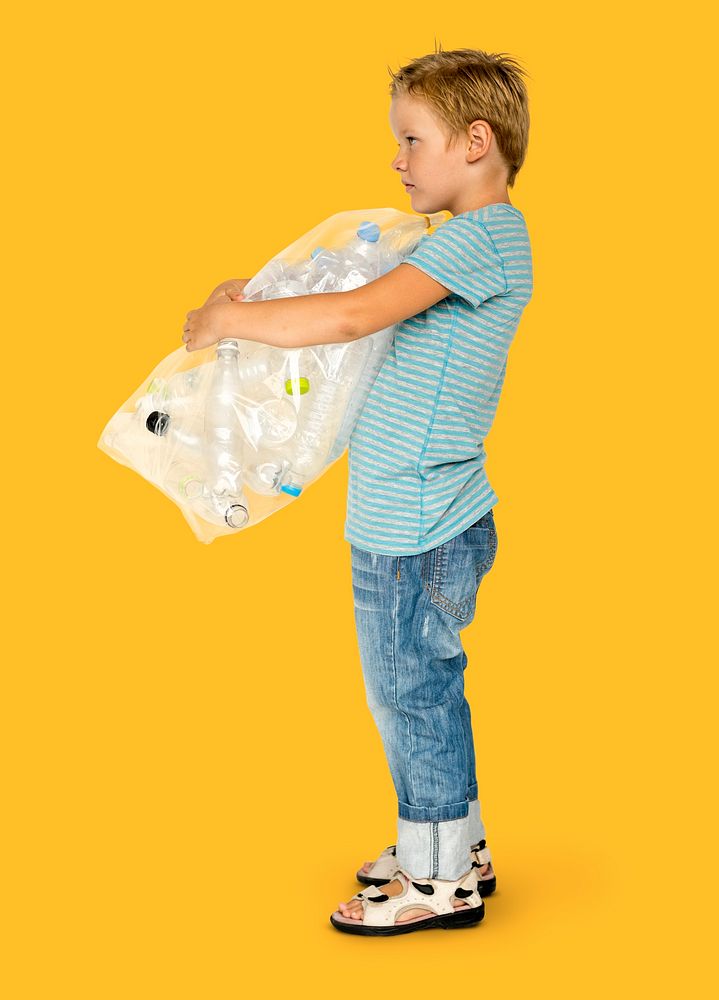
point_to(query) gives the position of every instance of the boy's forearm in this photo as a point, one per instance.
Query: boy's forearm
(299, 321)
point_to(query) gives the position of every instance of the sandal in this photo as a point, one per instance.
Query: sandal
(381, 911)
(384, 868)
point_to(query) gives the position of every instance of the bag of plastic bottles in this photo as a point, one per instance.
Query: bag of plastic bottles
(234, 432)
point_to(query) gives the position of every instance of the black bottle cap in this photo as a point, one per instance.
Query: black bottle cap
(158, 422)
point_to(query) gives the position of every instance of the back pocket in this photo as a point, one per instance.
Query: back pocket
(448, 574)
(482, 539)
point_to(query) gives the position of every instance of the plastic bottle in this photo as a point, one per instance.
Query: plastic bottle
(255, 364)
(269, 422)
(223, 436)
(379, 344)
(351, 265)
(265, 474)
(184, 432)
(184, 481)
(320, 413)
(184, 390)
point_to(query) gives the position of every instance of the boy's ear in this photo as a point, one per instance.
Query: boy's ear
(479, 138)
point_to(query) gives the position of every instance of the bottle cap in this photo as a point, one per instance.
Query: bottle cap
(294, 491)
(297, 386)
(369, 231)
(236, 515)
(158, 422)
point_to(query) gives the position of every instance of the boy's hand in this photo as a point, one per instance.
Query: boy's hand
(228, 291)
(204, 326)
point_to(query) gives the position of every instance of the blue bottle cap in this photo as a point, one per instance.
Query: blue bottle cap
(294, 491)
(369, 231)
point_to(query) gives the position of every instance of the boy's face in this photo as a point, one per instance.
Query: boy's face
(439, 176)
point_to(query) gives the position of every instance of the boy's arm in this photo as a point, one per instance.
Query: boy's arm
(397, 295)
(332, 317)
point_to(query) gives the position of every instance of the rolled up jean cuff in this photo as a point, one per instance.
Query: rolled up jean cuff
(476, 826)
(434, 850)
(433, 814)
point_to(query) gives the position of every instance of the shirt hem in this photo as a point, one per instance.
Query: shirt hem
(492, 501)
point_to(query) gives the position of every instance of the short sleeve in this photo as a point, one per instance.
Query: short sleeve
(460, 255)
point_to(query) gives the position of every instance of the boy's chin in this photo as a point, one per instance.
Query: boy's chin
(424, 207)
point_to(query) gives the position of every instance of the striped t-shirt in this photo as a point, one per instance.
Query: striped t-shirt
(416, 453)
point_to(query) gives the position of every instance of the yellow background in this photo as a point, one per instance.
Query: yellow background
(191, 775)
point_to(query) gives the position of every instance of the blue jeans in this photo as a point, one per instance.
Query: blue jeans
(409, 612)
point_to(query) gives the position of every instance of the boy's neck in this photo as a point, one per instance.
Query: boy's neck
(471, 203)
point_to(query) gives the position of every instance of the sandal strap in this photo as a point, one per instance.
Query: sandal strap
(434, 895)
(481, 853)
(386, 864)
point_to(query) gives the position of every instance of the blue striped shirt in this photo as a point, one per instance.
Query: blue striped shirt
(416, 453)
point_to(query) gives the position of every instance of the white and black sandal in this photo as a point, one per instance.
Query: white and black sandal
(384, 868)
(380, 911)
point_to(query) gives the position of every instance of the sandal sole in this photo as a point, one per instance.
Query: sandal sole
(445, 921)
(486, 887)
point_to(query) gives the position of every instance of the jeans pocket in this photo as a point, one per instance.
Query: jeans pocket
(449, 577)
(482, 537)
(453, 571)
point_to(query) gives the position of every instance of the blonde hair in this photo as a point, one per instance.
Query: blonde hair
(463, 85)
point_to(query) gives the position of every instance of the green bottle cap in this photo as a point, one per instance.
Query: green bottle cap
(293, 384)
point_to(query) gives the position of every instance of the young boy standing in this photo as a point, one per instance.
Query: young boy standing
(420, 521)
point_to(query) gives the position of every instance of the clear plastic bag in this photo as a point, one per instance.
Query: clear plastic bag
(234, 432)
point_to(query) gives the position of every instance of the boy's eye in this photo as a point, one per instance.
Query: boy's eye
(410, 138)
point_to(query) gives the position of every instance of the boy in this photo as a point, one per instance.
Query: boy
(419, 509)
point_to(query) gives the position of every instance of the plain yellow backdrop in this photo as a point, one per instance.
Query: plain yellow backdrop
(191, 775)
